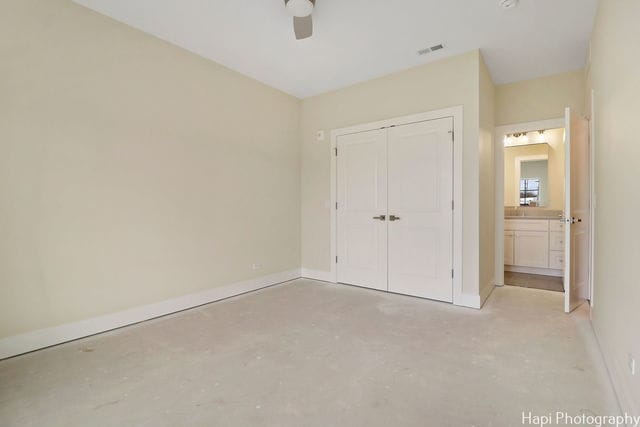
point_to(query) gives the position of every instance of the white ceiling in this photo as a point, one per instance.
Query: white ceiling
(356, 40)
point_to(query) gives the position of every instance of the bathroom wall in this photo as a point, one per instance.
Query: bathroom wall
(555, 151)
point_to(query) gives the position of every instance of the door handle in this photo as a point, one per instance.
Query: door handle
(394, 218)
(381, 217)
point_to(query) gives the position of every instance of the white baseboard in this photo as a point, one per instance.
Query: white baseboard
(486, 291)
(618, 374)
(468, 300)
(464, 300)
(34, 340)
(534, 270)
(323, 276)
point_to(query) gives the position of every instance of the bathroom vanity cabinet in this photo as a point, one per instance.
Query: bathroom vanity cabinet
(533, 245)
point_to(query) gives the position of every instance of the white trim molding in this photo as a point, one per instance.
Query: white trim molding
(322, 276)
(618, 374)
(457, 113)
(500, 133)
(486, 291)
(469, 300)
(38, 339)
(592, 192)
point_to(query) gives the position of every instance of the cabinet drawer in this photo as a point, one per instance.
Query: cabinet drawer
(556, 225)
(526, 224)
(556, 260)
(556, 241)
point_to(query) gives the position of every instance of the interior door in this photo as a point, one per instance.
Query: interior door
(362, 209)
(420, 168)
(577, 201)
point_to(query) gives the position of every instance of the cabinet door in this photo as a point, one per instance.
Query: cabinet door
(532, 249)
(508, 248)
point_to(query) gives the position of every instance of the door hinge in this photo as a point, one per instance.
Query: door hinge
(335, 150)
(453, 135)
(452, 273)
(452, 205)
(336, 205)
(336, 259)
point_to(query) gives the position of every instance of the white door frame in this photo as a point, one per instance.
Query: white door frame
(592, 201)
(457, 114)
(500, 133)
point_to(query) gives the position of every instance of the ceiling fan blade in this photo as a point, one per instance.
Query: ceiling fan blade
(303, 27)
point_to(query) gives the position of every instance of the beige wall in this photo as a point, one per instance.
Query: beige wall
(539, 99)
(555, 151)
(486, 157)
(615, 77)
(132, 171)
(129, 173)
(441, 84)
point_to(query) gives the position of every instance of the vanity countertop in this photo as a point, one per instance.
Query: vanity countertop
(533, 217)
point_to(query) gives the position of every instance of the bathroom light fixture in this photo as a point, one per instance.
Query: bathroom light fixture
(541, 136)
(523, 138)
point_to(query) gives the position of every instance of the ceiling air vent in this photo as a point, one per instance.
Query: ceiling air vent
(430, 49)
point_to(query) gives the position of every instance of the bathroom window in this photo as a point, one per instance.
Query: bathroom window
(529, 191)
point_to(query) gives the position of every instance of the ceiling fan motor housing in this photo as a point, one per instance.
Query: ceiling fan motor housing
(299, 8)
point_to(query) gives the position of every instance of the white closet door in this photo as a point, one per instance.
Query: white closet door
(362, 201)
(420, 185)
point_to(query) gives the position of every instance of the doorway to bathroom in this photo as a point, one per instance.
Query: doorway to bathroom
(543, 207)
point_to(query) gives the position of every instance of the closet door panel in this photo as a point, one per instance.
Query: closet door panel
(420, 194)
(362, 199)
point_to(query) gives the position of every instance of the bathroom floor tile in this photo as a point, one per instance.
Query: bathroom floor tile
(535, 281)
